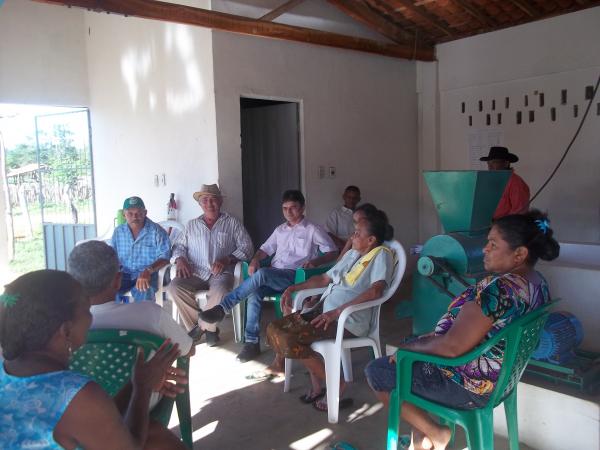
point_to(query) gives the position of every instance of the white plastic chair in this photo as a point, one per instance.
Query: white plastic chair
(174, 229)
(338, 350)
(202, 299)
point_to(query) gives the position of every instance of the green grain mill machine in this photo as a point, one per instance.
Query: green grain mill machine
(449, 263)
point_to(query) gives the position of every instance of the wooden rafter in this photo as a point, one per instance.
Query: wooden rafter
(171, 12)
(362, 13)
(476, 12)
(287, 6)
(423, 14)
(524, 6)
(421, 34)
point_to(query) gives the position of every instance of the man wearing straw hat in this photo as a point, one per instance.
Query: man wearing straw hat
(205, 255)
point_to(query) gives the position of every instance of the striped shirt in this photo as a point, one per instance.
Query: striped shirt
(202, 246)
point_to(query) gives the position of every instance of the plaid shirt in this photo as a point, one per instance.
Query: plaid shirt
(151, 245)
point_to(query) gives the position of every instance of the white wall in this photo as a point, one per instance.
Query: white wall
(152, 109)
(42, 54)
(358, 114)
(540, 57)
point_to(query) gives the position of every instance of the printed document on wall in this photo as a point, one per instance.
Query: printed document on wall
(480, 142)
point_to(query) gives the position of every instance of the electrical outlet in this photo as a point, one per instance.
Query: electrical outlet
(332, 171)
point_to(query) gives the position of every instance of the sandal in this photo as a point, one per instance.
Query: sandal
(321, 405)
(307, 398)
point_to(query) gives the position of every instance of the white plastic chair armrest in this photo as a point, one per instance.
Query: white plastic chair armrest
(351, 309)
(237, 274)
(162, 273)
(303, 294)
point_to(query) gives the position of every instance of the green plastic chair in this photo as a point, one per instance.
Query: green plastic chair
(521, 338)
(108, 357)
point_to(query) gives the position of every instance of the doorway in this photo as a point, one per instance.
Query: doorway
(270, 135)
(47, 185)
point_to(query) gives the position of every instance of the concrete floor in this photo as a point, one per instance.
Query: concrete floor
(231, 412)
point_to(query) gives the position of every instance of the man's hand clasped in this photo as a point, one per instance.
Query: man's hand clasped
(219, 266)
(143, 280)
(253, 267)
(184, 270)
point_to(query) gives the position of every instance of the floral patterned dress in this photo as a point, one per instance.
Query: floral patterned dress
(32, 406)
(503, 298)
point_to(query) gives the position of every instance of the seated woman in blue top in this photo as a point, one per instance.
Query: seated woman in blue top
(44, 317)
(360, 276)
(515, 243)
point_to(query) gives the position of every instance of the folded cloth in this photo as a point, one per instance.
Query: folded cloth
(360, 266)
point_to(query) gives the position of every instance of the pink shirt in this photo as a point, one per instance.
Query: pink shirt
(515, 199)
(294, 245)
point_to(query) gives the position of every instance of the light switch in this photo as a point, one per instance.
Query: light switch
(156, 182)
(321, 172)
(332, 171)
(163, 179)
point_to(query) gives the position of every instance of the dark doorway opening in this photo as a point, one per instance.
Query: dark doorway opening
(270, 161)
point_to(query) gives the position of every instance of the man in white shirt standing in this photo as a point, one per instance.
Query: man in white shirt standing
(205, 255)
(339, 224)
(295, 243)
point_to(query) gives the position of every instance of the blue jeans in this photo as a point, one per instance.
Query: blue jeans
(128, 284)
(264, 282)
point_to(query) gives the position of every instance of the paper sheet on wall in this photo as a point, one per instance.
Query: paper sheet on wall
(480, 142)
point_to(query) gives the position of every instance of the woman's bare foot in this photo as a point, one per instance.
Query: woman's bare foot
(277, 367)
(419, 441)
(441, 438)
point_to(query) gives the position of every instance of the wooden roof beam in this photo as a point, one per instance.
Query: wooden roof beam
(524, 6)
(176, 13)
(365, 15)
(421, 34)
(476, 12)
(423, 14)
(287, 6)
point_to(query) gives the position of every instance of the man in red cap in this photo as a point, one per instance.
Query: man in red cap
(515, 198)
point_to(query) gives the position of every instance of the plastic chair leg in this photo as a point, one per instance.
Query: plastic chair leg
(183, 409)
(393, 421)
(288, 374)
(332, 370)
(512, 421)
(452, 427)
(278, 311)
(480, 430)
(238, 323)
(347, 364)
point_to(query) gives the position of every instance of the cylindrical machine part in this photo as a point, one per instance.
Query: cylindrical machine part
(426, 266)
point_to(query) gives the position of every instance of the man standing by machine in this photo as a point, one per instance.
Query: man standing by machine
(515, 198)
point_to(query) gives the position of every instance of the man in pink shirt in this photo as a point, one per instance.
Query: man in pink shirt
(295, 243)
(515, 199)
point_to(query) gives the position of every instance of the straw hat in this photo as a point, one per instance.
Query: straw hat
(208, 189)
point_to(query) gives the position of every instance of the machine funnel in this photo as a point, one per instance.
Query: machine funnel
(466, 199)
